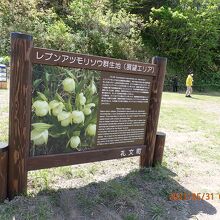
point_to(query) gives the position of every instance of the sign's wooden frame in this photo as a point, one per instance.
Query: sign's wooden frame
(23, 56)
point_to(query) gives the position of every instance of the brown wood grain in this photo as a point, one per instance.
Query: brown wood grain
(59, 58)
(3, 172)
(154, 111)
(159, 148)
(48, 161)
(19, 112)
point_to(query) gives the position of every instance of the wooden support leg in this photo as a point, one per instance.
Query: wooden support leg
(154, 111)
(159, 148)
(3, 171)
(19, 112)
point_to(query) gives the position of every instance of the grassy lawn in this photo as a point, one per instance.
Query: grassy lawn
(118, 189)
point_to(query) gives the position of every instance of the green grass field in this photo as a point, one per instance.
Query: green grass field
(118, 189)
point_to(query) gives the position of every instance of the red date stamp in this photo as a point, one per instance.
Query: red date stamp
(176, 196)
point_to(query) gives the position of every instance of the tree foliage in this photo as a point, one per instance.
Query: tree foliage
(185, 31)
(88, 26)
(188, 35)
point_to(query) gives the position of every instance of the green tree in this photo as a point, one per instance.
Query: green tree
(187, 35)
(88, 26)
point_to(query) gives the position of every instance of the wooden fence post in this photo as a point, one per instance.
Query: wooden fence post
(19, 112)
(3, 171)
(159, 148)
(154, 111)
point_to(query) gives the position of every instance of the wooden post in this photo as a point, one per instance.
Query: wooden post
(154, 111)
(3, 171)
(159, 147)
(19, 112)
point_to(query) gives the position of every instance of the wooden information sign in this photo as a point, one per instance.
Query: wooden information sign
(3, 73)
(3, 76)
(69, 108)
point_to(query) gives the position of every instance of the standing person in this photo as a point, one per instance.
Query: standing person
(189, 83)
(175, 83)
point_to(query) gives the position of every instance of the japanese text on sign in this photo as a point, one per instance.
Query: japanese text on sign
(131, 152)
(86, 61)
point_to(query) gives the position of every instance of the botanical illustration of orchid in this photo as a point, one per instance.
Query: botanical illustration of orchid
(64, 109)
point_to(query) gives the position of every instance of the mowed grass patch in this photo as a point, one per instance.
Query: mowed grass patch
(26, 209)
(193, 124)
(117, 189)
(46, 179)
(182, 114)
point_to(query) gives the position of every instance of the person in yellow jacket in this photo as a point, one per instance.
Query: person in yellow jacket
(189, 83)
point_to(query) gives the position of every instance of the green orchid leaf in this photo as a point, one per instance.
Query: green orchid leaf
(37, 82)
(79, 86)
(76, 133)
(47, 76)
(56, 135)
(41, 126)
(42, 96)
(59, 97)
